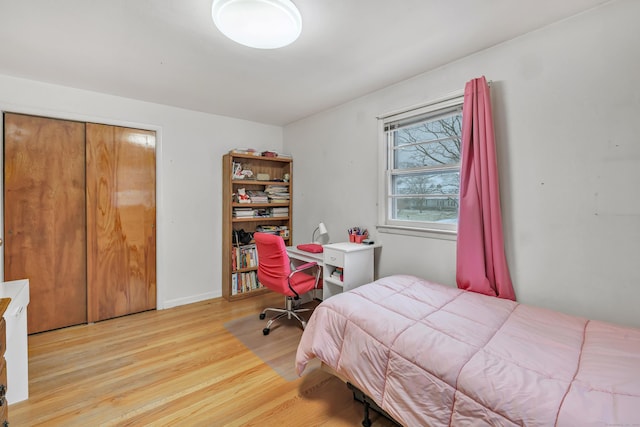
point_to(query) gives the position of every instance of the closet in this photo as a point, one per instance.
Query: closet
(79, 218)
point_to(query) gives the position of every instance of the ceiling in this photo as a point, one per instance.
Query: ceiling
(169, 52)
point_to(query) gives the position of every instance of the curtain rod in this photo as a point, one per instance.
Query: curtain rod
(447, 97)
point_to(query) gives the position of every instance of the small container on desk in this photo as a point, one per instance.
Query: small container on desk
(360, 237)
(357, 234)
(357, 238)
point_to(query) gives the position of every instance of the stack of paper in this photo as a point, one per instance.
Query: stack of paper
(280, 212)
(243, 212)
(277, 193)
(257, 196)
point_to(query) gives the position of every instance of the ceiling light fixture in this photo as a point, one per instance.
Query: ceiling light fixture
(262, 24)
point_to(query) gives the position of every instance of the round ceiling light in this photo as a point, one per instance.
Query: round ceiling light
(262, 24)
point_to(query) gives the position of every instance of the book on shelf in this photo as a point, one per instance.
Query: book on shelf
(274, 190)
(243, 212)
(257, 196)
(280, 212)
(278, 230)
(270, 228)
(234, 260)
(259, 213)
(274, 153)
(249, 151)
(338, 273)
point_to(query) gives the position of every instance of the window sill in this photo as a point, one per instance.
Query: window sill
(429, 233)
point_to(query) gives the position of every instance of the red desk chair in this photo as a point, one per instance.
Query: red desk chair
(275, 272)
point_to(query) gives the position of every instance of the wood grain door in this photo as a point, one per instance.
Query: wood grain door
(44, 224)
(121, 213)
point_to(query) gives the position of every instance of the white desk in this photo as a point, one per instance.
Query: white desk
(300, 255)
(356, 261)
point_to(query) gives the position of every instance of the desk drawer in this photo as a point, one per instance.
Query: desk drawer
(334, 257)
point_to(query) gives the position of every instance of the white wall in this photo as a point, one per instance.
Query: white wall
(189, 176)
(567, 115)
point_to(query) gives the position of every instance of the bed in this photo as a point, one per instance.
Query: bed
(434, 355)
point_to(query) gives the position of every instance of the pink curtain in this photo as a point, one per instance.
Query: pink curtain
(481, 262)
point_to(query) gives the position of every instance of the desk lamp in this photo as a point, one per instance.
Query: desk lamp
(322, 229)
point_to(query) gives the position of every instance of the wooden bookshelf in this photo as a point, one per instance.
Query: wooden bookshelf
(275, 168)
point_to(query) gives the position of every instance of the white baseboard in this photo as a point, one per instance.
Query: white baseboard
(191, 299)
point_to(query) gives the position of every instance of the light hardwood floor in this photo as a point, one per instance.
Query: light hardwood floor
(177, 367)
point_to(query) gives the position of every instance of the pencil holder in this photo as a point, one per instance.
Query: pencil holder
(360, 237)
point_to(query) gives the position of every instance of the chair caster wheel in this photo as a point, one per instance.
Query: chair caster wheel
(262, 316)
(265, 331)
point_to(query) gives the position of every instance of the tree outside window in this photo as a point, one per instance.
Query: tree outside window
(424, 168)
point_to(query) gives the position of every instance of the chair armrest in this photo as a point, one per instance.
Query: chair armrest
(305, 266)
(300, 269)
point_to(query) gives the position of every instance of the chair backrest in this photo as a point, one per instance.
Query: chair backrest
(273, 262)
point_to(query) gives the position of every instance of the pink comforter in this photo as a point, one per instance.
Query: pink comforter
(432, 355)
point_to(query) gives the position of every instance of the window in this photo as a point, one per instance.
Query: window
(422, 168)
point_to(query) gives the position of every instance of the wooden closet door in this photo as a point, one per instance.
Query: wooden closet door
(121, 214)
(44, 217)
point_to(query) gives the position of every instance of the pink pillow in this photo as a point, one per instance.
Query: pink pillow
(310, 247)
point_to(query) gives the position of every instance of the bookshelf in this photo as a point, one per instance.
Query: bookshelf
(251, 204)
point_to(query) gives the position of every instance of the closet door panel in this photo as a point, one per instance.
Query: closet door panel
(121, 212)
(44, 208)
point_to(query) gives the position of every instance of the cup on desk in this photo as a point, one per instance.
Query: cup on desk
(358, 238)
(352, 238)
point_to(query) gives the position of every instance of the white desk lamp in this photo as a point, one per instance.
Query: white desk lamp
(322, 229)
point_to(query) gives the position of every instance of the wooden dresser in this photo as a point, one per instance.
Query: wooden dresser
(4, 406)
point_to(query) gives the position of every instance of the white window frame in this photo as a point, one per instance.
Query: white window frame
(385, 223)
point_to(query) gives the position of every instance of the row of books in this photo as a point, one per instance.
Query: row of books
(245, 256)
(278, 230)
(338, 274)
(260, 197)
(250, 196)
(244, 282)
(279, 212)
